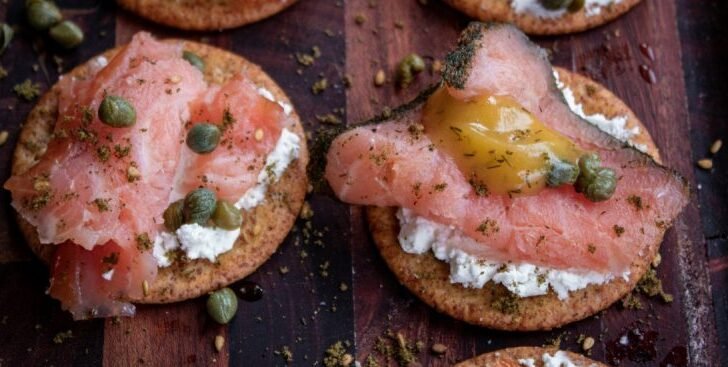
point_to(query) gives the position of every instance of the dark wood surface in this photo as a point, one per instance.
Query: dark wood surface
(305, 310)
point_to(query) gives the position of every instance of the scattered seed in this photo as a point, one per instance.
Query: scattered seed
(3, 137)
(259, 134)
(715, 147)
(439, 348)
(145, 288)
(174, 79)
(705, 163)
(436, 66)
(588, 343)
(360, 19)
(133, 174)
(379, 78)
(657, 260)
(219, 342)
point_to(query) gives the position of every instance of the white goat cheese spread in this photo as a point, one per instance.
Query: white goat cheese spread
(616, 126)
(200, 242)
(527, 362)
(418, 235)
(559, 359)
(534, 7)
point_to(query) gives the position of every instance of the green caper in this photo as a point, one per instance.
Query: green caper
(174, 215)
(597, 187)
(199, 206)
(562, 173)
(589, 164)
(42, 14)
(576, 5)
(67, 34)
(222, 305)
(227, 216)
(6, 34)
(408, 68)
(193, 59)
(115, 111)
(203, 138)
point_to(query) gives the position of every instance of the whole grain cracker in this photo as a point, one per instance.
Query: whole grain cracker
(501, 11)
(509, 358)
(205, 15)
(492, 306)
(264, 227)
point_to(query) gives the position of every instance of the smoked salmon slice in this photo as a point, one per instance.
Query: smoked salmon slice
(98, 192)
(391, 163)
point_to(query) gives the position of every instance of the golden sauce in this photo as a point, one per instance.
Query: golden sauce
(499, 146)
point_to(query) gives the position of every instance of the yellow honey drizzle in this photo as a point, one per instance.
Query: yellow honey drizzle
(497, 144)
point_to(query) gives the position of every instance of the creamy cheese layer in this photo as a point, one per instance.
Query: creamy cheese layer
(201, 242)
(418, 235)
(616, 126)
(534, 7)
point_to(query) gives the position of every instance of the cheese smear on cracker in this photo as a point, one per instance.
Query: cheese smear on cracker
(534, 7)
(200, 242)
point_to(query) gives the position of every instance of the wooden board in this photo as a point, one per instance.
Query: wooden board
(305, 309)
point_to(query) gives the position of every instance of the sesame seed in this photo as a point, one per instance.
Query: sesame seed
(3, 137)
(379, 78)
(145, 288)
(259, 134)
(588, 343)
(715, 147)
(219, 342)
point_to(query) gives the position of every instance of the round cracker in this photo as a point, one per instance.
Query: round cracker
(509, 358)
(264, 227)
(428, 277)
(205, 15)
(501, 11)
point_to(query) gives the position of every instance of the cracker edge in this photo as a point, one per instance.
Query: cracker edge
(512, 355)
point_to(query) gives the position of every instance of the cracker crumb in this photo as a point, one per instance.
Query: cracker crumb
(439, 348)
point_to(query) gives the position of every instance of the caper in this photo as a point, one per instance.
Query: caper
(576, 5)
(222, 305)
(227, 216)
(42, 14)
(193, 59)
(115, 111)
(555, 4)
(589, 164)
(199, 206)
(174, 215)
(203, 138)
(6, 34)
(599, 186)
(562, 173)
(67, 34)
(408, 68)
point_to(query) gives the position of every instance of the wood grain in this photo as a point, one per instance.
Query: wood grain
(305, 308)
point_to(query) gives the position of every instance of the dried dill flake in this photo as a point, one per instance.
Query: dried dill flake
(319, 86)
(440, 187)
(329, 119)
(3, 72)
(631, 302)
(650, 285)
(103, 153)
(335, 355)
(480, 188)
(143, 242)
(227, 119)
(506, 303)
(102, 204)
(285, 353)
(635, 201)
(618, 230)
(488, 226)
(27, 90)
(62, 336)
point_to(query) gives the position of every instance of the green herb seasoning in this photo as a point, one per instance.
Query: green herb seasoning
(116, 111)
(203, 138)
(27, 90)
(6, 35)
(408, 68)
